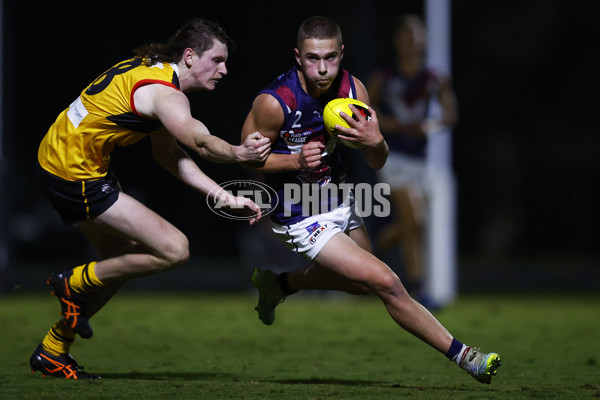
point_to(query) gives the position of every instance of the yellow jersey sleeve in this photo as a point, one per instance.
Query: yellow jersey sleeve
(78, 144)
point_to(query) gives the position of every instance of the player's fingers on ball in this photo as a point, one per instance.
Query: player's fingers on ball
(340, 128)
(349, 138)
(345, 116)
(351, 122)
(346, 133)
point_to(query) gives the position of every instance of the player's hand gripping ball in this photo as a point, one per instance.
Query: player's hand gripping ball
(331, 116)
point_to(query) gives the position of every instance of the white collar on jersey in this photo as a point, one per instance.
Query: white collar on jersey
(176, 68)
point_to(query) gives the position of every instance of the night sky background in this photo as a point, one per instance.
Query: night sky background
(526, 151)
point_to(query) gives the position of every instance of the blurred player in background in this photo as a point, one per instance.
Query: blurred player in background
(139, 97)
(403, 94)
(336, 244)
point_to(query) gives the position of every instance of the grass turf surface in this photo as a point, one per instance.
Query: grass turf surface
(212, 346)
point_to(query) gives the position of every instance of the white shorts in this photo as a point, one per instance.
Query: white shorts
(308, 236)
(402, 171)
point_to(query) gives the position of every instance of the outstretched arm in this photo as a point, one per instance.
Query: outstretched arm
(172, 108)
(174, 159)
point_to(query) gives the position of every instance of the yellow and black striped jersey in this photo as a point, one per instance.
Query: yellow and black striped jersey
(78, 145)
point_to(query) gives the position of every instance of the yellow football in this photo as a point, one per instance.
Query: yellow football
(331, 116)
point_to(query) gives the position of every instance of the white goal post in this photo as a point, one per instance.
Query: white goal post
(441, 281)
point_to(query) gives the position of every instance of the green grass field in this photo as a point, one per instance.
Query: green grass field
(212, 346)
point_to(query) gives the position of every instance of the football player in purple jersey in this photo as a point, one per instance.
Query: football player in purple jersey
(335, 242)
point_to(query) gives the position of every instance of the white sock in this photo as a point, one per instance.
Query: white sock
(461, 354)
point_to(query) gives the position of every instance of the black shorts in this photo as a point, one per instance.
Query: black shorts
(78, 201)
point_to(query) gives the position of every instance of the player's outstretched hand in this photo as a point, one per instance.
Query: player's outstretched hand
(243, 206)
(255, 148)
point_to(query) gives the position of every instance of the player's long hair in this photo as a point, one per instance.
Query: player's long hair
(197, 34)
(319, 28)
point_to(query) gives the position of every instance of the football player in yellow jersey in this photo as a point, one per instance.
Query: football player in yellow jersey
(136, 98)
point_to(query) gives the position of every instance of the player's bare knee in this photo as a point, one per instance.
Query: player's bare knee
(178, 252)
(386, 283)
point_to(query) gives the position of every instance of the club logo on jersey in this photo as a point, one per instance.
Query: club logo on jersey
(313, 227)
(106, 188)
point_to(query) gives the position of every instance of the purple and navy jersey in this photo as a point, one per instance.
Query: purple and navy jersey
(303, 123)
(408, 100)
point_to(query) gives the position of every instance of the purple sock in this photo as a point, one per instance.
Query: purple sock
(455, 348)
(283, 284)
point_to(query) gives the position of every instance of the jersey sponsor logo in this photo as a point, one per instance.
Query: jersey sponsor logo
(315, 235)
(298, 137)
(77, 112)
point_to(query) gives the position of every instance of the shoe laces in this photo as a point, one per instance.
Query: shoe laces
(474, 353)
